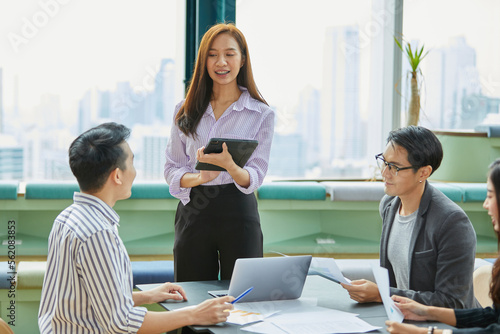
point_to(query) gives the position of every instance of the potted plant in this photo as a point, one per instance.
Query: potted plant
(414, 58)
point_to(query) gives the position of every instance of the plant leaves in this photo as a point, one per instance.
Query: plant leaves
(414, 56)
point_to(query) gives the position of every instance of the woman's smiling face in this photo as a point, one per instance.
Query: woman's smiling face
(224, 60)
(491, 205)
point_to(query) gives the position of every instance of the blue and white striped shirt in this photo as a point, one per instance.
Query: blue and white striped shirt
(246, 118)
(87, 287)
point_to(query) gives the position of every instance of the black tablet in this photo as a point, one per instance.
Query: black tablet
(240, 150)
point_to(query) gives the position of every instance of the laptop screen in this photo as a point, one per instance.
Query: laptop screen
(272, 278)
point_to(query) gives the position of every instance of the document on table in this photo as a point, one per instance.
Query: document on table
(346, 325)
(382, 278)
(312, 319)
(327, 268)
(246, 313)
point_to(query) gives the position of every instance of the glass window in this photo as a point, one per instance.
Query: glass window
(69, 65)
(461, 73)
(314, 63)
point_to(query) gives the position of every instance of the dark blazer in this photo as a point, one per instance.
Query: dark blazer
(442, 251)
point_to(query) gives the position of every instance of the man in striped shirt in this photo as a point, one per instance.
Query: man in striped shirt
(88, 284)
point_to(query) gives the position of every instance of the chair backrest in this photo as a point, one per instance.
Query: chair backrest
(482, 279)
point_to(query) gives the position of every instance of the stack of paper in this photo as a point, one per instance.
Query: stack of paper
(302, 316)
(314, 320)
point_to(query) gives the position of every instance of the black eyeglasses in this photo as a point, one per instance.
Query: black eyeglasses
(393, 169)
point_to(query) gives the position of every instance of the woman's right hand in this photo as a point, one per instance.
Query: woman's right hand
(208, 175)
(205, 175)
(411, 309)
(212, 311)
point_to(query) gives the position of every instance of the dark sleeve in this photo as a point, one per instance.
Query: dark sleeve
(493, 328)
(382, 207)
(478, 320)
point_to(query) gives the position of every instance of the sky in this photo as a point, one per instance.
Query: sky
(288, 50)
(435, 22)
(291, 54)
(66, 47)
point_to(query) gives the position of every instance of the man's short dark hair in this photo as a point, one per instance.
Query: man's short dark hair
(96, 153)
(422, 145)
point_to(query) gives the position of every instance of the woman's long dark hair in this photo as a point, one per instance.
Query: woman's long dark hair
(200, 88)
(494, 176)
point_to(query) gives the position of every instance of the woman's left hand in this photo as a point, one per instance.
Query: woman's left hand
(167, 291)
(395, 327)
(223, 159)
(411, 309)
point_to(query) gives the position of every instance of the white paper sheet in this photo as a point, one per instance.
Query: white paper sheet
(327, 268)
(264, 327)
(345, 325)
(382, 278)
(245, 314)
(242, 317)
(311, 313)
(312, 319)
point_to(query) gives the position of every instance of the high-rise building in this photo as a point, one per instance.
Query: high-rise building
(149, 143)
(164, 93)
(104, 104)
(1, 102)
(11, 159)
(450, 75)
(287, 152)
(309, 115)
(476, 109)
(342, 128)
(84, 112)
(46, 156)
(127, 106)
(48, 112)
(16, 95)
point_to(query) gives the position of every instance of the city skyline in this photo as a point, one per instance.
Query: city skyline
(64, 40)
(324, 113)
(338, 101)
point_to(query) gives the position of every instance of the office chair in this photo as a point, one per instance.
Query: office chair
(482, 279)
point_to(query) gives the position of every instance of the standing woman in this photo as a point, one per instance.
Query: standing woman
(477, 320)
(217, 220)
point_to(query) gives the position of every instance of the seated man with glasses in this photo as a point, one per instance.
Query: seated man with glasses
(428, 243)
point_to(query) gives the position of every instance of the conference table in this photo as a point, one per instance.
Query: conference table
(327, 293)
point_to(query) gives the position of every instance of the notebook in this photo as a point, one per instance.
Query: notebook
(272, 278)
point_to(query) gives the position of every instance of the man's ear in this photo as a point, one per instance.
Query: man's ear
(425, 172)
(115, 176)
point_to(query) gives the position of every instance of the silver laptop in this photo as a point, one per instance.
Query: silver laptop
(272, 278)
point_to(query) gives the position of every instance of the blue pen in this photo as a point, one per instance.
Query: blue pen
(242, 295)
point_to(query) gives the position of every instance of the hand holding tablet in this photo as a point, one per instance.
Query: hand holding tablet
(240, 149)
